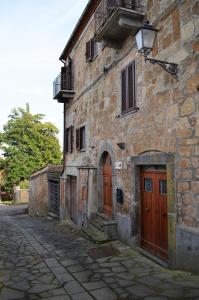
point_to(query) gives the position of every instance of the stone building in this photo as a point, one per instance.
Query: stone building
(131, 129)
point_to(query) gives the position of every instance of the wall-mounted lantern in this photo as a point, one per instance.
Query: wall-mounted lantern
(145, 39)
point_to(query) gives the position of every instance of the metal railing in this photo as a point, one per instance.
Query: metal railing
(62, 83)
(107, 7)
(57, 85)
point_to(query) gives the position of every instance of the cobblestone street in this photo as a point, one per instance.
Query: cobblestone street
(41, 259)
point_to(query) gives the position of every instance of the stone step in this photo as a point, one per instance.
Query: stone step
(98, 224)
(105, 223)
(95, 234)
(53, 216)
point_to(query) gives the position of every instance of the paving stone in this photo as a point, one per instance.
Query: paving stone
(38, 288)
(75, 268)
(124, 283)
(73, 288)
(82, 296)
(64, 277)
(150, 281)
(68, 262)
(83, 276)
(58, 291)
(21, 286)
(10, 294)
(60, 297)
(63, 259)
(140, 290)
(105, 294)
(94, 285)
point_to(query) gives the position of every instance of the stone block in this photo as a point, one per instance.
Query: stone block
(195, 187)
(186, 151)
(187, 198)
(195, 161)
(187, 108)
(187, 174)
(183, 129)
(183, 186)
(176, 24)
(195, 8)
(192, 84)
(187, 31)
(195, 46)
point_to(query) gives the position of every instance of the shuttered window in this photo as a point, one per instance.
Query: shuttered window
(69, 139)
(128, 88)
(81, 138)
(91, 50)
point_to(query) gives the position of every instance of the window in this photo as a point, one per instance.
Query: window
(128, 88)
(92, 49)
(69, 139)
(81, 138)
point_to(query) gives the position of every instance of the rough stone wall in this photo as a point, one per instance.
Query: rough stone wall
(39, 190)
(167, 119)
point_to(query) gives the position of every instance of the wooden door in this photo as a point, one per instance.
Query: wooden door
(107, 183)
(154, 220)
(73, 198)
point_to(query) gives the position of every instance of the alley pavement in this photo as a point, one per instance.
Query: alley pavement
(42, 259)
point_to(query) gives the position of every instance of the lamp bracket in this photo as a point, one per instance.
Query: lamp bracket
(170, 68)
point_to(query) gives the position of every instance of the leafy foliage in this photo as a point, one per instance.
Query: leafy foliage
(27, 144)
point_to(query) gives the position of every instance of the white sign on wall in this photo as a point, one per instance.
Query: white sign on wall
(118, 165)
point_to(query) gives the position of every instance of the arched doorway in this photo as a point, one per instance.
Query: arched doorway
(107, 184)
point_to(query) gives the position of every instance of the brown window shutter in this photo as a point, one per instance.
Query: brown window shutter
(131, 86)
(65, 141)
(72, 137)
(78, 139)
(89, 50)
(124, 94)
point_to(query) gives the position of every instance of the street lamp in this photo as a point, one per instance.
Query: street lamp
(145, 39)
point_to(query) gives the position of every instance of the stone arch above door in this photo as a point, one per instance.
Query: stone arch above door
(106, 148)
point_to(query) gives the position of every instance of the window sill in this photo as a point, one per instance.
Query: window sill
(129, 113)
(82, 150)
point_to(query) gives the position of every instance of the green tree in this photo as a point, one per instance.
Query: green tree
(27, 144)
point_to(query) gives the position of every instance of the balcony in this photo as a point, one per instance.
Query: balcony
(62, 87)
(115, 20)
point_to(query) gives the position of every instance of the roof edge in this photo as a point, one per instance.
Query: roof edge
(83, 20)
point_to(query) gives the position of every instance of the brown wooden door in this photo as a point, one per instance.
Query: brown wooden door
(107, 183)
(154, 220)
(73, 198)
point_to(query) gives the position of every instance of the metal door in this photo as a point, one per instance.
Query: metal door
(54, 197)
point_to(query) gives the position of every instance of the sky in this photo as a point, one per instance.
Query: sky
(33, 34)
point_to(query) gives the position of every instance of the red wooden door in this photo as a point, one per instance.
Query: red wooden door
(107, 183)
(73, 198)
(154, 220)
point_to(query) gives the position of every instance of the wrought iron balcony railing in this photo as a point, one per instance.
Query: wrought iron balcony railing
(108, 7)
(62, 86)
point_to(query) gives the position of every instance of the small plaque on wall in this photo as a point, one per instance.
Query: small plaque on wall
(118, 165)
